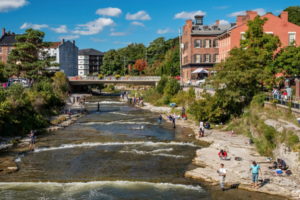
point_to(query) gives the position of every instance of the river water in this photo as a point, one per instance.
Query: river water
(118, 153)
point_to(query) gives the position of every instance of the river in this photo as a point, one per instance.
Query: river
(118, 153)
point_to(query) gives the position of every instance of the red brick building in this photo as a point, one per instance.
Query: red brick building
(6, 44)
(286, 31)
(200, 46)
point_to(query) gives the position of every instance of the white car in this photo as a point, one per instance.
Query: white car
(200, 82)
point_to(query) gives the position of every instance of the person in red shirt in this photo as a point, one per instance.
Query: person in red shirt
(222, 154)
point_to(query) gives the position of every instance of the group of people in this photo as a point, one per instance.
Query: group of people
(9, 83)
(255, 169)
(284, 95)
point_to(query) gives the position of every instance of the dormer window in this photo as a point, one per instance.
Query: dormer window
(199, 21)
(205, 28)
(215, 27)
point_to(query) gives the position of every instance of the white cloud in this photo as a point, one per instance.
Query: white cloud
(112, 29)
(34, 26)
(223, 22)
(188, 15)
(93, 27)
(259, 11)
(138, 24)
(61, 29)
(98, 40)
(7, 5)
(117, 42)
(141, 15)
(113, 12)
(68, 37)
(118, 34)
(160, 31)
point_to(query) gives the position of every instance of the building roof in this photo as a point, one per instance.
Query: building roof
(209, 29)
(91, 52)
(8, 39)
(55, 45)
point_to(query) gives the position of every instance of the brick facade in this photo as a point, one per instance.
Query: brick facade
(200, 47)
(6, 44)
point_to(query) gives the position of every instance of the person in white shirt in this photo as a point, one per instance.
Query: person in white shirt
(222, 176)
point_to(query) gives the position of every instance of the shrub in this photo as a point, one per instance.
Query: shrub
(100, 76)
(258, 100)
(167, 99)
(95, 73)
(172, 87)
(111, 87)
(88, 74)
(292, 139)
(161, 84)
(117, 76)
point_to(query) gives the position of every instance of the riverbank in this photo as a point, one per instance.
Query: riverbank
(16, 146)
(238, 174)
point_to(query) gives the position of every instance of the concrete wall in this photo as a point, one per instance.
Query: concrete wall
(68, 58)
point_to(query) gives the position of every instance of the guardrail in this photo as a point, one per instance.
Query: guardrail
(123, 78)
(284, 100)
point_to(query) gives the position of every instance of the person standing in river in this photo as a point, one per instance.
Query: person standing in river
(222, 176)
(255, 169)
(159, 119)
(32, 140)
(173, 121)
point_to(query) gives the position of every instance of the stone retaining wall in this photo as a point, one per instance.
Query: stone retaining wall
(295, 112)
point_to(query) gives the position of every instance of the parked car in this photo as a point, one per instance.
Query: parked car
(177, 77)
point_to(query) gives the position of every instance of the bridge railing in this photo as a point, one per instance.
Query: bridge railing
(111, 78)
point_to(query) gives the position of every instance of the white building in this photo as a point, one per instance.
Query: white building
(66, 54)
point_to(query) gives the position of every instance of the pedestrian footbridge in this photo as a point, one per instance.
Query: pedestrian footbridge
(134, 80)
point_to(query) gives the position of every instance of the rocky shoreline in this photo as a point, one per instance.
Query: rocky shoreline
(238, 174)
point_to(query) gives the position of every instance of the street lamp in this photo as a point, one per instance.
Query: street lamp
(19, 63)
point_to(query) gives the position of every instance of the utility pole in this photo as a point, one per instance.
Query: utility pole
(180, 57)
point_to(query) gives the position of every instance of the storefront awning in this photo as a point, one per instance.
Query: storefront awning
(200, 71)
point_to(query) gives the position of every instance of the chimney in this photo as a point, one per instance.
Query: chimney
(217, 22)
(189, 23)
(62, 41)
(253, 14)
(3, 31)
(248, 12)
(284, 16)
(73, 41)
(239, 20)
(8, 32)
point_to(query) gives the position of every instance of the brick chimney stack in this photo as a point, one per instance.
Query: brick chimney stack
(217, 22)
(253, 14)
(62, 41)
(239, 20)
(8, 32)
(284, 16)
(3, 31)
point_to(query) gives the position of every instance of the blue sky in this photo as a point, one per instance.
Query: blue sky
(112, 24)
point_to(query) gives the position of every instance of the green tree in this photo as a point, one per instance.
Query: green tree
(294, 14)
(29, 50)
(2, 67)
(162, 84)
(287, 60)
(172, 87)
(111, 63)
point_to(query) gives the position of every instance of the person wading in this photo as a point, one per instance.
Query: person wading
(255, 169)
(222, 176)
(159, 119)
(32, 139)
(173, 121)
(182, 112)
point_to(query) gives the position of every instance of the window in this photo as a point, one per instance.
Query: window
(207, 43)
(69, 65)
(81, 62)
(243, 36)
(0, 58)
(69, 56)
(186, 45)
(185, 60)
(80, 72)
(0, 49)
(216, 43)
(197, 58)
(216, 58)
(197, 43)
(292, 37)
(198, 21)
(206, 58)
(9, 50)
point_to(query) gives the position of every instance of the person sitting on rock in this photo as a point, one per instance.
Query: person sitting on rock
(222, 154)
(207, 125)
(281, 164)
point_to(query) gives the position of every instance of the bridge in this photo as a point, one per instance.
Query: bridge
(93, 80)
